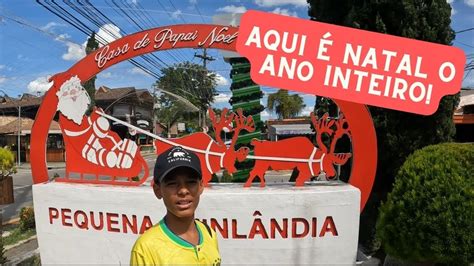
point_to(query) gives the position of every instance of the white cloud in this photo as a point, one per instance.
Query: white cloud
(51, 25)
(109, 33)
(2, 67)
(221, 81)
(74, 52)
(284, 12)
(2, 79)
(63, 37)
(469, 3)
(265, 115)
(106, 75)
(307, 110)
(40, 84)
(453, 11)
(232, 9)
(21, 57)
(193, 2)
(137, 70)
(176, 14)
(272, 3)
(222, 98)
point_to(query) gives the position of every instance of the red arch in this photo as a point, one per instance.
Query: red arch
(195, 36)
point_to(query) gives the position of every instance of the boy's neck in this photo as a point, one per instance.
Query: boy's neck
(180, 225)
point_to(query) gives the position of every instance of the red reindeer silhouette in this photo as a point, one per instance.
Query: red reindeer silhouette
(300, 152)
(214, 154)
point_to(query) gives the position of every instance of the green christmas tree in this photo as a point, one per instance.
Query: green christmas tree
(246, 95)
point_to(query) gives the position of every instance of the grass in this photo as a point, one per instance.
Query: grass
(16, 235)
(34, 260)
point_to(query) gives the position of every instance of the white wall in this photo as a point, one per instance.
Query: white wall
(64, 238)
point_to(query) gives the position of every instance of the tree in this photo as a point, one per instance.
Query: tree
(193, 82)
(325, 105)
(285, 105)
(399, 133)
(89, 85)
(169, 112)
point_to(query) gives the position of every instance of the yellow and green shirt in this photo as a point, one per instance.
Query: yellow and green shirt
(160, 246)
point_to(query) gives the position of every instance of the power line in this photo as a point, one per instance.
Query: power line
(59, 12)
(461, 31)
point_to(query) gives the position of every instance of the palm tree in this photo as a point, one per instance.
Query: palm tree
(285, 105)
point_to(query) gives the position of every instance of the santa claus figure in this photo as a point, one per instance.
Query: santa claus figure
(91, 147)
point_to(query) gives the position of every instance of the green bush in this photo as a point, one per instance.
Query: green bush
(7, 163)
(3, 259)
(27, 218)
(428, 216)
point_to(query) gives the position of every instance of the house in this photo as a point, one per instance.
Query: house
(464, 116)
(287, 128)
(128, 104)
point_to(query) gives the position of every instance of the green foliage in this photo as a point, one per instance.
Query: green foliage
(325, 105)
(3, 259)
(226, 177)
(89, 85)
(16, 235)
(27, 218)
(7, 163)
(185, 83)
(430, 212)
(284, 104)
(398, 133)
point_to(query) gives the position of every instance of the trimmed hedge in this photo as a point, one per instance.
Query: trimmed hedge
(429, 215)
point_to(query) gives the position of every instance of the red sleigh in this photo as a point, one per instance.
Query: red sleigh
(94, 153)
(101, 174)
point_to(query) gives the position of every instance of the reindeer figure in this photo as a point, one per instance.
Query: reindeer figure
(300, 152)
(214, 154)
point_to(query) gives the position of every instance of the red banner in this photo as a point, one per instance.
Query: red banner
(349, 64)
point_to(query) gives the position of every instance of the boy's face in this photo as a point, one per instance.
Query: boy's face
(180, 191)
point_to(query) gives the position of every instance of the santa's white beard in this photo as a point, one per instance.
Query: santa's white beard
(74, 110)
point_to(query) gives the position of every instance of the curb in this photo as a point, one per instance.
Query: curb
(19, 243)
(25, 256)
(12, 221)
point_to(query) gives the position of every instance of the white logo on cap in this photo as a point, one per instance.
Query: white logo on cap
(178, 154)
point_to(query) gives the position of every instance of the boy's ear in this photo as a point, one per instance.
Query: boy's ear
(157, 190)
(201, 187)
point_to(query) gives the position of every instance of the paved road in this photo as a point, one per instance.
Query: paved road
(22, 182)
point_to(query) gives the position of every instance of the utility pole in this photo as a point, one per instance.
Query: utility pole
(154, 108)
(19, 132)
(204, 58)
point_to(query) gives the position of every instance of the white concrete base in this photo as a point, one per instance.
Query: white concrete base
(98, 224)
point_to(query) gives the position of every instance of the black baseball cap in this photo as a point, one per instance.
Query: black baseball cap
(174, 158)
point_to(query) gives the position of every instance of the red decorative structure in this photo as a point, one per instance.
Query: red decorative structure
(300, 152)
(91, 148)
(214, 154)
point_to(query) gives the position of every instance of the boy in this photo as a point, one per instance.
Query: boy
(178, 238)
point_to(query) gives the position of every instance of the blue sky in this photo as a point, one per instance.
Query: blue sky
(35, 43)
